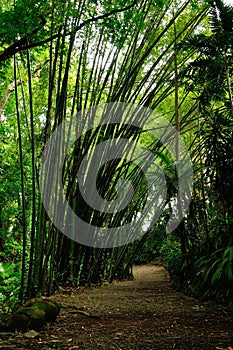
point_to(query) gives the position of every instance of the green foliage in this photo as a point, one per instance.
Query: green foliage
(9, 286)
(150, 249)
(206, 265)
(128, 56)
(26, 18)
(172, 258)
(214, 276)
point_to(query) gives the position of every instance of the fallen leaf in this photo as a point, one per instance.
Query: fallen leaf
(31, 334)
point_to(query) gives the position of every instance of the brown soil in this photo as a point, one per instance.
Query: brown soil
(142, 314)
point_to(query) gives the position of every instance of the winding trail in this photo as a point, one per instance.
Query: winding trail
(143, 314)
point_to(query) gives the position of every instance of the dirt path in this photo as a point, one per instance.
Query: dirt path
(143, 314)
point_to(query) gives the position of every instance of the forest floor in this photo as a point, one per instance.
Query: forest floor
(141, 314)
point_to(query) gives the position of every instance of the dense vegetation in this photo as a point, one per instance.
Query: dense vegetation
(61, 57)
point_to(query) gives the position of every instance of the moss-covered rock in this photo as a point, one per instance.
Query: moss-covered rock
(49, 306)
(33, 314)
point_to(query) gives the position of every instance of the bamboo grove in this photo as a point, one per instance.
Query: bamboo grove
(63, 57)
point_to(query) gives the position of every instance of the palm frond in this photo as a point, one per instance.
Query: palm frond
(221, 17)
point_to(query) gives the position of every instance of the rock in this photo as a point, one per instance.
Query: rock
(19, 322)
(49, 306)
(33, 314)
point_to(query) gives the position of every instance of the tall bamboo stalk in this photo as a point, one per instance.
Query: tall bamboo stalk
(33, 215)
(23, 267)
